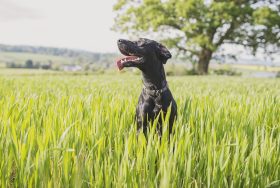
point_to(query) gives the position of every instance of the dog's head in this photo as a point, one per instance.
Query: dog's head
(142, 54)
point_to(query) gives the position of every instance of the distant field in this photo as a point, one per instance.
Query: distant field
(31, 72)
(256, 67)
(21, 58)
(78, 131)
(22, 72)
(105, 63)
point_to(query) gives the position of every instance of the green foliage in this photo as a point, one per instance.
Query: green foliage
(78, 131)
(29, 64)
(198, 28)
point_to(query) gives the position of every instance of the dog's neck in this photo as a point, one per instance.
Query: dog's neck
(154, 81)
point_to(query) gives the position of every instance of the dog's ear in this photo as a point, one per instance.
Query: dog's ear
(163, 53)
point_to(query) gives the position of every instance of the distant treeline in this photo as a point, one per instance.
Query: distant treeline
(63, 52)
(29, 65)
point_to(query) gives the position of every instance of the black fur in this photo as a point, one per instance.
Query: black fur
(155, 96)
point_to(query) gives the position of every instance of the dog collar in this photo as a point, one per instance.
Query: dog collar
(156, 91)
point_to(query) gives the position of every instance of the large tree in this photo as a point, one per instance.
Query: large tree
(199, 27)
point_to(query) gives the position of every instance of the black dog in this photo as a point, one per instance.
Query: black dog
(149, 56)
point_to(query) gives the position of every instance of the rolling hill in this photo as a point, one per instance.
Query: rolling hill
(59, 56)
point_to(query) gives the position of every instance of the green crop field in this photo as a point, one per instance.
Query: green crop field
(78, 131)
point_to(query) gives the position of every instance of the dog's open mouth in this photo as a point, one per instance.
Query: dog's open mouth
(128, 61)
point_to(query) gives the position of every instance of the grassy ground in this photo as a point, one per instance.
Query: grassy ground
(60, 131)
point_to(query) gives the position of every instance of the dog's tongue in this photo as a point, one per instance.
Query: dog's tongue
(119, 64)
(122, 60)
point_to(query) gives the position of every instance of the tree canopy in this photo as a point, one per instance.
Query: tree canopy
(199, 27)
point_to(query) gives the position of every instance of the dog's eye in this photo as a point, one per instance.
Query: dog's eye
(140, 43)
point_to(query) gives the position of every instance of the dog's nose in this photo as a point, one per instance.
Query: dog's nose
(120, 41)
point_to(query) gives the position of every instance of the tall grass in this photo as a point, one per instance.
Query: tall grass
(78, 131)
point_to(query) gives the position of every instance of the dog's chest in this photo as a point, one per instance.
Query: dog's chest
(155, 103)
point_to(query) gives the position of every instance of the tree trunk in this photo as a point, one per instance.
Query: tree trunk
(203, 61)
